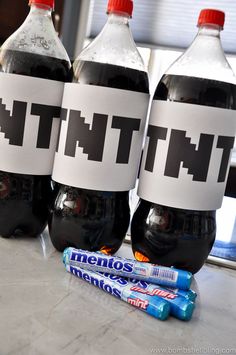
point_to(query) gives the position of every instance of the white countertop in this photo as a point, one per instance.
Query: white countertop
(46, 311)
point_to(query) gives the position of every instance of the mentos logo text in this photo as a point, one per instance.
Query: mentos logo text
(101, 261)
(122, 281)
(117, 279)
(95, 281)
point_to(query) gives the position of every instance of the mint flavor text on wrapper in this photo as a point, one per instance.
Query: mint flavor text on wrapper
(180, 307)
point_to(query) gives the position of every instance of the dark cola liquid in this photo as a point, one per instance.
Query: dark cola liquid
(88, 219)
(24, 199)
(172, 236)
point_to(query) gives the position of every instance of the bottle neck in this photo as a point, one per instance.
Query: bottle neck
(210, 31)
(114, 44)
(40, 10)
(207, 44)
(116, 29)
(118, 18)
(208, 40)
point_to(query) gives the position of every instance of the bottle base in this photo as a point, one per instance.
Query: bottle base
(65, 234)
(186, 263)
(23, 233)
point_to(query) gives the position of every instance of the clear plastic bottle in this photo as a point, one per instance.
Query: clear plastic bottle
(187, 153)
(33, 68)
(110, 93)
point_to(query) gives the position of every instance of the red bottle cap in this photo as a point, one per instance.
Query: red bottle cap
(211, 16)
(125, 6)
(49, 3)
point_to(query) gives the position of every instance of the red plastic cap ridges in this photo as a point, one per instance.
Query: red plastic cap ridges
(211, 17)
(49, 3)
(125, 6)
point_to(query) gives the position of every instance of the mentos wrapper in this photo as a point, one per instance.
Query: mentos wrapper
(180, 307)
(188, 294)
(97, 261)
(155, 306)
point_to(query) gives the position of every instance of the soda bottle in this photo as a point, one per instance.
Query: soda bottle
(103, 120)
(187, 152)
(33, 67)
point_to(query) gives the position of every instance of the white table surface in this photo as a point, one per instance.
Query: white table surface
(45, 310)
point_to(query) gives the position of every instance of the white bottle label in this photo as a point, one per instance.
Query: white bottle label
(101, 137)
(29, 123)
(186, 156)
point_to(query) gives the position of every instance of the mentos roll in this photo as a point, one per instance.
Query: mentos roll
(180, 307)
(155, 306)
(96, 261)
(190, 295)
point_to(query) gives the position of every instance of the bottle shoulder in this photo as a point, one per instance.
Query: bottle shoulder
(195, 90)
(109, 75)
(204, 58)
(34, 65)
(36, 35)
(35, 50)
